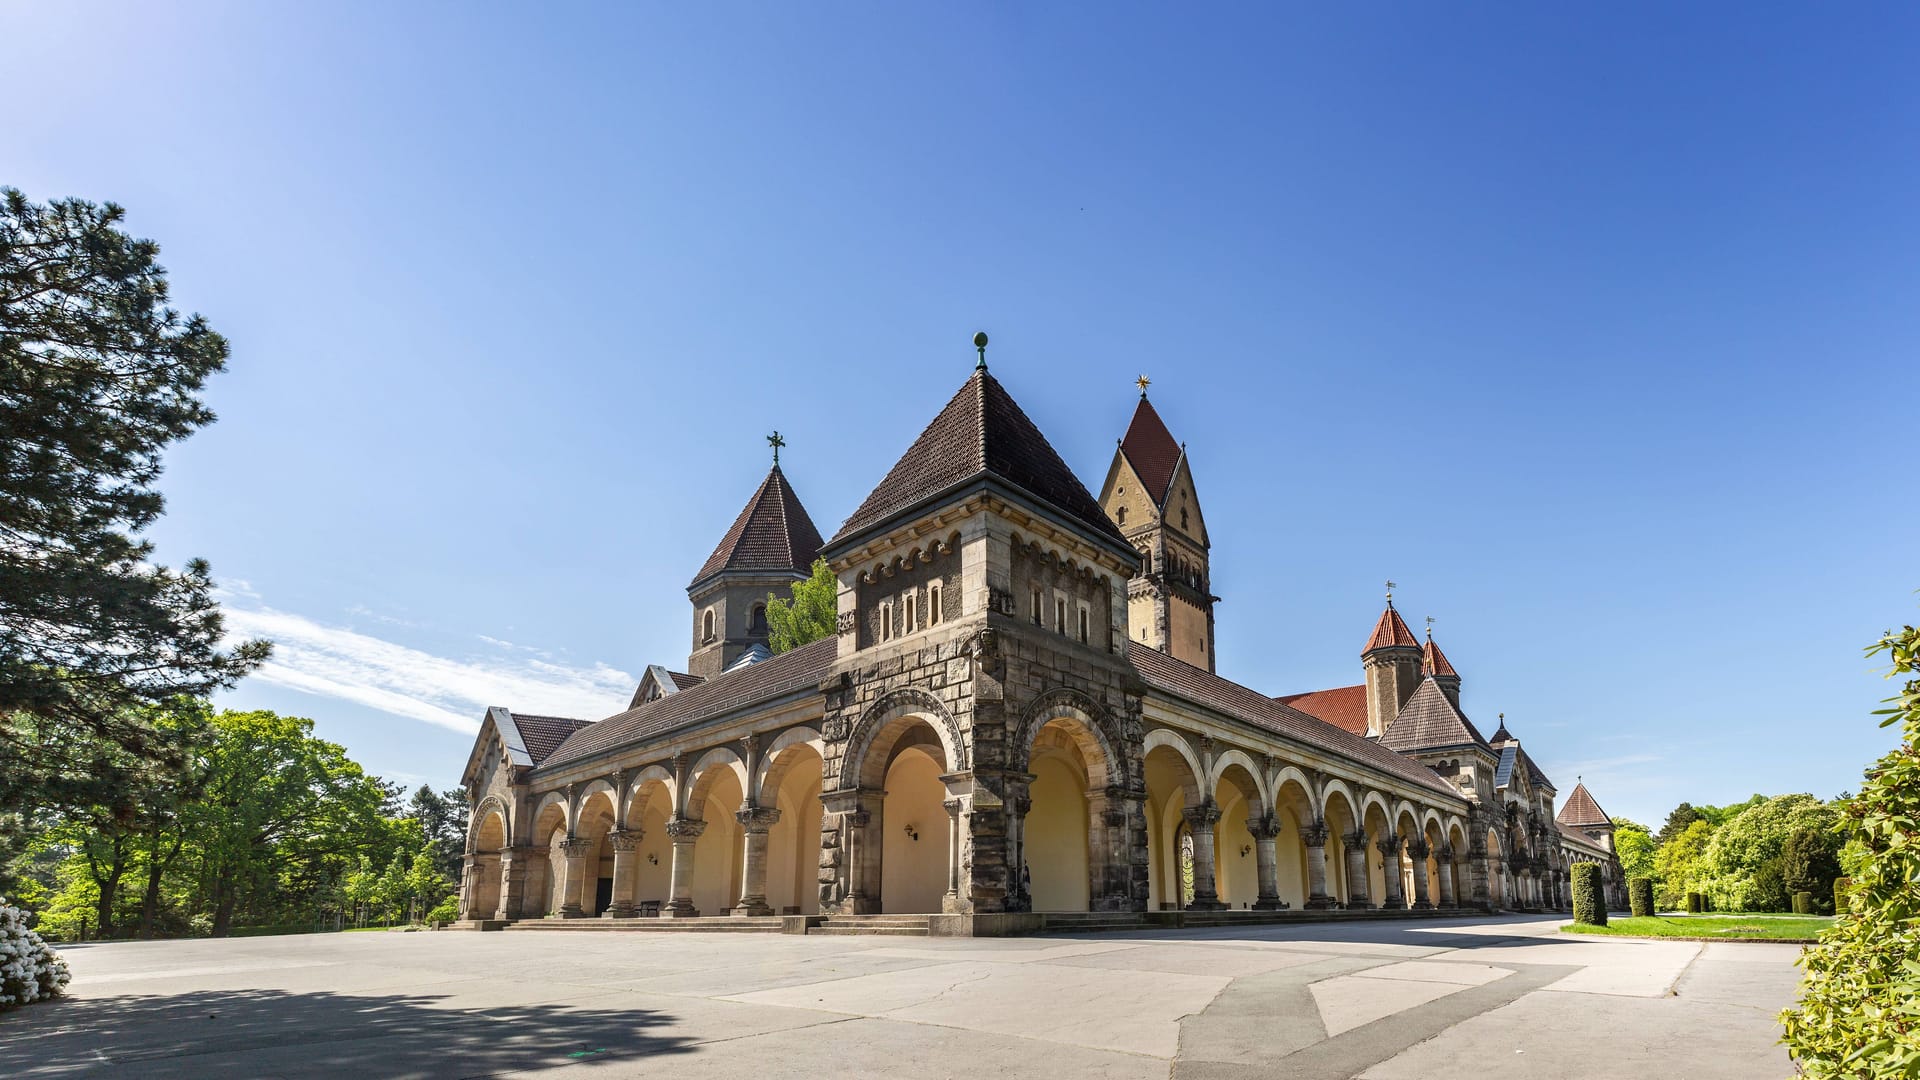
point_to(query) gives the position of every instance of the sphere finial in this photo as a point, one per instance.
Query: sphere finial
(980, 342)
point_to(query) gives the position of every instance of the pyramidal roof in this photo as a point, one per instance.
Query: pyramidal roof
(1434, 662)
(1580, 809)
(773, 532)
(1390, 631)
(1151, 450)
(981, 433)
(1430, 720)
(1502, 735)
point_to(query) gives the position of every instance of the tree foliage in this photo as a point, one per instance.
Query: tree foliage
(809, 615)
(1742, 863)
(1810, 863)
(1680, 864)
(98, 376)
(1677, 821)
(1634, 845)
(1859, 1011)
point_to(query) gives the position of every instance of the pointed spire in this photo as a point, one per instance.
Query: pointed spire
(1433, 662)
(1151, 450)
(1581, 810)
(1502, 735)
(1391, 632)
(772, 534)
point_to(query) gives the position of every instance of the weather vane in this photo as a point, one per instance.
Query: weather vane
(1143, 382)
(1390, 588)
(774, 440)
(1430, 638)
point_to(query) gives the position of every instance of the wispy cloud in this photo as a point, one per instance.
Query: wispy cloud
(347, 665)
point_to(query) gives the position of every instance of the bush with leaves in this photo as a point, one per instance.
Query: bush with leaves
(1589, 899)
(1810, 863)
(1738, 874)
(1859, 1011)
(29, 970)
(1640, 896)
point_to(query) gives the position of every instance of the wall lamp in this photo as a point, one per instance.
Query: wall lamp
(912, 833)
(1244, 848)
(653, 859)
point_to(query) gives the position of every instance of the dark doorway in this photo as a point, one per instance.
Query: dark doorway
(603, 894)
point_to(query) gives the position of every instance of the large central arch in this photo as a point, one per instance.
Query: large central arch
(1070, 837)
(900, 830)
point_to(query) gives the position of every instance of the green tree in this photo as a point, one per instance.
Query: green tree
(809, 615)
(443, 820)
(98, 375)
(1677, 821)
(1634, 845)
(1742, 869)
(1720, 815)
(1809, 862)
(1859, 1011)
(1680, 864)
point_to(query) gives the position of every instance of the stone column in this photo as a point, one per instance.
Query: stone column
(1206, 887)
(755, 821)
(1389, 848)
(1264, 833)
(863, 864)
(1020, 895)
(950, 903)
(1314, 837)
(513, 881)
(623, 841)
(1447, 899)
(573, 851)
(1418, 850)
(684, 832)
(469, 879)
(1356, 844)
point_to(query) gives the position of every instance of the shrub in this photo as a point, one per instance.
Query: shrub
(1767, 891)
(1859, 1011)
(1840, 887)
(1640, 896)
(447, 911)
(1589, 903)
(1696, 903)
(1810, 862)
(29, 971)
(1803, 903)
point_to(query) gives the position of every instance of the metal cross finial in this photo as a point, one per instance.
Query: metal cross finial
(1143, 382)
(774, 440)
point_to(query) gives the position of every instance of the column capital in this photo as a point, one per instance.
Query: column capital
(757, 819)
(1314, 835)
(859, 819)
(1388, 845)
(1266, 828)
(686, 829)
(1446, 852)
(624, 839)
(1418, 848)
(573, 847)
(1355, 840)
(1201, 816)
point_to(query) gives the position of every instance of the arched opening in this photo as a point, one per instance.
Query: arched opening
(1294, 809)
(706, 626)
(718, 851)
(596, 865)
(792, 786)
(913, 822)
(1497, 867)
(1407, 828)
(1172, 787)
(549, 830)
(1237, 864)
(1341, 822)
(1064, 843)
(757, 621)
(483, 893)
(1378, 830)
(648, 813)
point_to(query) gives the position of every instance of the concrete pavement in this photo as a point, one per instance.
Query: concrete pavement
(1385, 1001)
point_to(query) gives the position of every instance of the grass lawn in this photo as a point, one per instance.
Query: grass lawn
(1730, 927)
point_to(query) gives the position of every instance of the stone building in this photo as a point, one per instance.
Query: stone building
(1018, 716)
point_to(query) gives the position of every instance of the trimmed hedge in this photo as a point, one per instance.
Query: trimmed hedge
(1589, 903)
(1696, 903)
(1803, 903)
(1640, 896)
(1840, 887)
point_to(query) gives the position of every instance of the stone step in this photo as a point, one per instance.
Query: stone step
(843, 930)
(710, 924)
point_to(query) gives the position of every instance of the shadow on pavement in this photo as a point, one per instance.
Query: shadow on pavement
(274, 1032)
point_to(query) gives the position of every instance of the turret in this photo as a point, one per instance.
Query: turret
(1392, 659)
(771, 545)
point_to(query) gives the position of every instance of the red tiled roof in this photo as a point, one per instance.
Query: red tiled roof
(727, 692)
(1183, 680)
(544, 734)
(1434, 662)
(981, 432)
(1345, 707)
(773, 532)
(1580, 809)
(1151, 451)
(1429, 720)
(1390, 631)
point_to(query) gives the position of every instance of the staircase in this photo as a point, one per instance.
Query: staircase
(711, 924)
(878, 925)
(1090, 922)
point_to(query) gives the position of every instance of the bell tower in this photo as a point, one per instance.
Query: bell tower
(771, 545)
(1150, 496)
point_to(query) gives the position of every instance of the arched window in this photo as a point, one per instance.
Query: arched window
(757, 622)
(1183, 517)
(886, 621)
(1039, 618)
(706, 626)
(913, 613)
(933, 604)
(1121, 514)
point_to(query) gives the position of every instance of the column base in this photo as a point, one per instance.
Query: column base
(1207, 905)
(620, 911)
(751, 907)
(571, 911)
(1321, 903)
(1358, 905)
(1269, 903)
(1422, 905)
(680, 909)
(1393, 905)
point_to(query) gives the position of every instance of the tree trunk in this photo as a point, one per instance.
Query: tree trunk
(109, 886)
(223, 898)
(156, 869)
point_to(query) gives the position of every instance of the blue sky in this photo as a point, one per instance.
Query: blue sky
(1592, 328)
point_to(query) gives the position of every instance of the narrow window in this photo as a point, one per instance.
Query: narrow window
(886, 621)
(757, 622)
(913, 613)
(1183, 517)
(1060, 614)
(933, 604)
(1037, 620)
(706, 626)
(1083, 624)
(1122, 515)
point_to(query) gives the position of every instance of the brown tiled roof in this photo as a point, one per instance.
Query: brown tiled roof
(1501, 735)
(1390, 631)
(544, 734)
(1534, 775)
(1183, 680)
(1345, 707)
(981, 432)
(1430, 720)
(1150, 449)
(805, 666)
(1580, 809)
(1435, 663)
(683, 680)
(773, 532)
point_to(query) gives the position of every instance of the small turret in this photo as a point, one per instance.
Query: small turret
(1434, 665)
(1392, 659)
(771, 545)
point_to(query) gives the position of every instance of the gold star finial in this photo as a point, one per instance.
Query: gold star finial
(1143, 382)
(774, 440)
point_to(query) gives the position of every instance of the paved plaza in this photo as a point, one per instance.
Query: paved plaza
(1391, 1001)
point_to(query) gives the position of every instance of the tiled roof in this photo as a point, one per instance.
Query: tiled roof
(1534, 775)
(683, 680)
(1390, 631)
(1434, 662)
(1183, 680)
(773, 532)
(1501, 736)
(1345, 707)
(544, 734)
(981, 432)
(1430, 720)
(805, 666)
(1150, 448)
(1580, 809)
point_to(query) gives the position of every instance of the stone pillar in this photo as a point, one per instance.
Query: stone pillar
(1206, 887)
(684, 832)
(755, 821)
(1264, 832)
(1314, 837)
(1447, 899)
(950, 903)
(513, 881)
(573, 851)
(1020, 896)
(863, 863)
(469, 878)
(1418, 850)
(1389, 848)
(1356, 844)
(624, 841)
